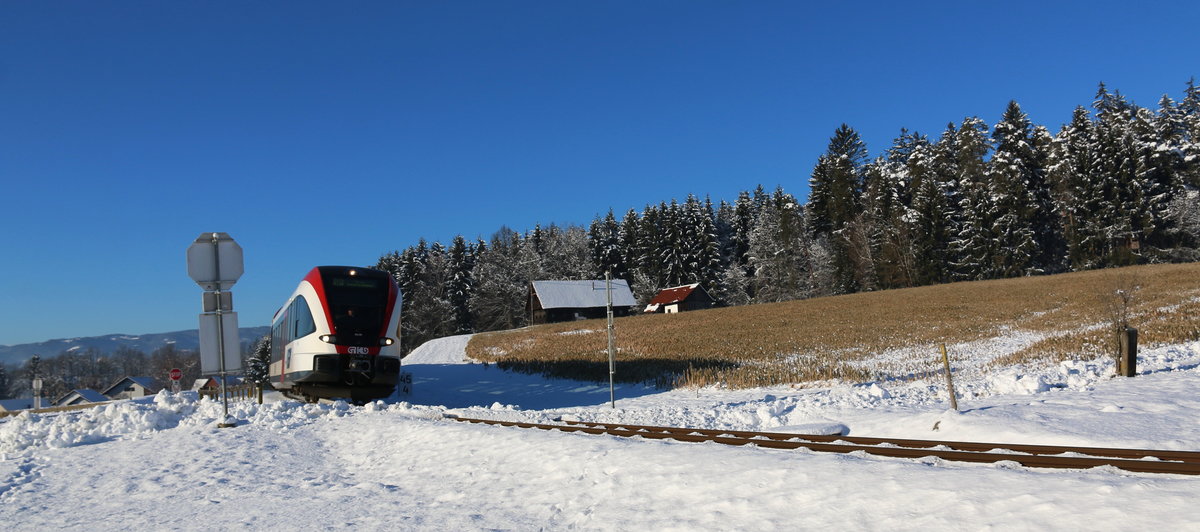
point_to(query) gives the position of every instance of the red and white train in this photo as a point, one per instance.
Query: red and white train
(338, 336)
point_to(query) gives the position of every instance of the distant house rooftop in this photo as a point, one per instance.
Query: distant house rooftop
(13, 405)
(130, 387)
(77, 397)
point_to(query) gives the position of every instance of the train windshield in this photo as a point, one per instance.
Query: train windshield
(358, 305)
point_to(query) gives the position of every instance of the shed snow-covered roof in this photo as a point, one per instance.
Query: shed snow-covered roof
(582, 294)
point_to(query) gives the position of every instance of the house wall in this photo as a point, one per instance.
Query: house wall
(698, 300)
(558, 315)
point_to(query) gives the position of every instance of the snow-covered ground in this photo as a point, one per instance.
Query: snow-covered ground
(161, 463)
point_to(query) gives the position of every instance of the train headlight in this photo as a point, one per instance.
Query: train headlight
(386, 341)
(328, 338)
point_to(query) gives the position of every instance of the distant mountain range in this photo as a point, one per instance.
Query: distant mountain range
(189, 340)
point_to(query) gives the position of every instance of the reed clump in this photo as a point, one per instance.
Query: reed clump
(833, 338)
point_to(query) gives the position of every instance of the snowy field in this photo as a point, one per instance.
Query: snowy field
(161, 463)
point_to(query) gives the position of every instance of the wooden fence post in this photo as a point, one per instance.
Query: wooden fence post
(949, 379)
(1128, 363)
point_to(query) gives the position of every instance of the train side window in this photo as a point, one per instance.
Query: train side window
(305, 325)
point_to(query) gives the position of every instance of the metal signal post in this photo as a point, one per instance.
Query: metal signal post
(221, 334)
(215, 271)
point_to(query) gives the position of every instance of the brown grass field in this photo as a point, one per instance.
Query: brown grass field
(800, 342)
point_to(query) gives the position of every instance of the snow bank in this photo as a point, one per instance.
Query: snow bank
(161, 463)
(140, 418)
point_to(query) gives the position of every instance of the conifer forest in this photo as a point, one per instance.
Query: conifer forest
(1118, 185)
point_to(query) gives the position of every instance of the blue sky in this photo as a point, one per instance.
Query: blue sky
(333, 132)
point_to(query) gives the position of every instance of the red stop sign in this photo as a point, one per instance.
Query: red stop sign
(175, 374)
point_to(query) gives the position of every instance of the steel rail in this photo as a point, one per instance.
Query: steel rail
(1027, 460)
(1133, 454)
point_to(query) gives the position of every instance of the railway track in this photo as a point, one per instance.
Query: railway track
(1042, 456)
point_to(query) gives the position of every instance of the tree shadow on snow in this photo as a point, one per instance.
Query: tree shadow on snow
(465, 385)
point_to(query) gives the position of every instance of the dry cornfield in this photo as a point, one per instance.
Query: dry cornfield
(801, 342)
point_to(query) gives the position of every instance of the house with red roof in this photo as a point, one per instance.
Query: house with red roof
(680, 299)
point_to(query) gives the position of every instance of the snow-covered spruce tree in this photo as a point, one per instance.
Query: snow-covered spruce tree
(429, 312)
(733, 289)
(258, 360)
(690, 235)
(649, 235)
(566, 255)
(929, 218)
(744, 215)
(530, 265)
(703, 251)
(459, 284)
(1162, 173)
(887, 201)
(821, 276)
(837, 181)
(886, 232)
(836, 185)
(792, 236)
(405, 268)
(764, 258)
(777, 257)
(1072, 160)
(1189, 111)
(1185, 213)
(1048, 222)
(723, 222)
(628, 240)
(597, 244)
(604, 241)
(390, 262)
(643, 287)
(1021, 210)
(670, 251)
(498, 300)
(1115, 177)
(974, 246)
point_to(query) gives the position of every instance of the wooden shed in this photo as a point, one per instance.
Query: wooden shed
(556, 301)
(681, 299)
